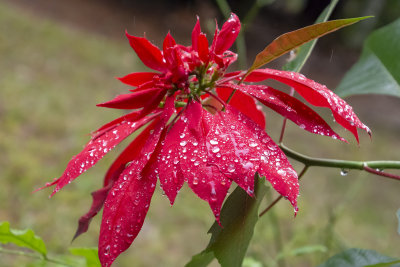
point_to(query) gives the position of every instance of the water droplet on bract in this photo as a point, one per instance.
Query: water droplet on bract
(107, 250)
(196, 163)
(214, 142)
(183, 143)
(195, 181)
(281, 172)
(344, 172)
(195, 143)
(379, 170)
(215, 149)
(118, 228)
(176, 161)
(253, 144)
(231, 168)
(265, 140)
(182, 135)
(302, 126)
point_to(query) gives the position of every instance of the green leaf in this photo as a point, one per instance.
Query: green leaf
(90, 255)
(304, 51)
(378, 69)
(356, 257)
(229, 243)
(289, 41)
(22, 238)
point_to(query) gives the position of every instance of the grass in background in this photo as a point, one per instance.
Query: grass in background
(51, 77)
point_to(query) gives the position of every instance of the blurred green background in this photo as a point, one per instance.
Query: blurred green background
(58, 60)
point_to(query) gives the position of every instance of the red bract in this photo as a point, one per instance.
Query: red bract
(197, 130)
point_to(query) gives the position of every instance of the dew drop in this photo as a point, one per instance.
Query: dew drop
(215, 149)
(183, 143)
(107, 250)
(182, 135)
(214, 142)
(231, 168)
(253, 144)
(344, 172)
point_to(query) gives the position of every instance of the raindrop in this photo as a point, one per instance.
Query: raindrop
(107, 250)
(182, 135)
(196, 163)
(215, 149)
(214, 142)
(231, 168)
(344, 172)
(281, 172)
(118, 228)
(183, 143)
(253, 144)
(195, 181)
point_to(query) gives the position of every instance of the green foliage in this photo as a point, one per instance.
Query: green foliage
(22, 238)
(90, 255)
(304, 51)
(355, 257)
(229, 243)
(28, 239)
(291, 40)
(378, 69)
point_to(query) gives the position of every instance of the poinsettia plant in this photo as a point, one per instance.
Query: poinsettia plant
(202, 125)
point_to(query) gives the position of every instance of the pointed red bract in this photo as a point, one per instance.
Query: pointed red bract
(273, 165)
(148, 53)
(227, 36)
(203, 48)
(95, 150)
(125, 209)
(134, 100)
(232, 149)
(137, 78)
(288, 107)
(127, 203)
(195, 35)
(244, 103)
(99, 197)
(316, 94)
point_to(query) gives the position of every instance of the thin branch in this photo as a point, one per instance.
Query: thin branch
(337, 163)
(381, 173)
(303, 171)
(284, 120)
(32, 255)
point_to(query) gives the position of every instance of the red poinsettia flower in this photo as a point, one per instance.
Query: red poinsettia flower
(196, 132)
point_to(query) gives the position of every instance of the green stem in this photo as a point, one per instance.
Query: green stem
(32, 255)
(342, 164)
(277, 235)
